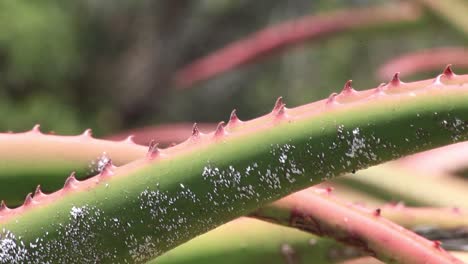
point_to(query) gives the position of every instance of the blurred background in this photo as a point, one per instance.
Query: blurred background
(118, 65)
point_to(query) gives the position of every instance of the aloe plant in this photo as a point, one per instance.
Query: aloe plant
(140, 210)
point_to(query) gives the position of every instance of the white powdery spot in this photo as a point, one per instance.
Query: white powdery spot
(288, 166)
(140, 251)
(232, 183)
(102, 162)
(76, 212)
(457, 127)
(77, 238)
(358, 144)
(98, 165)
(11, 250)
(156, 201)
(271, 179)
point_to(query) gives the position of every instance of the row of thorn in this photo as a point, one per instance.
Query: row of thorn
(153, 150)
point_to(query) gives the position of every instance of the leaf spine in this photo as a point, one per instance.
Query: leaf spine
(278, 105)
(195, 131)
(28, 200)
(348, 88)
(331, 99)
(153, 150)
(448, 72)
(71, 181)
(38, 192)
(130, 139)
(36, 129)
(3, 206)
(107, 170)
(233, 119)
(395, 82)
(281, 111)
(87, 133)
(219, 132)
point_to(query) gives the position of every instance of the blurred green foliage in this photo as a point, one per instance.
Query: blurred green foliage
(109, 65)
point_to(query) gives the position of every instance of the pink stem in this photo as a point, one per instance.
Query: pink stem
(290, 33)
(320, 213)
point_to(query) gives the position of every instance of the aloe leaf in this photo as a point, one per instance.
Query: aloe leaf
(317, 212)
(32, 158)
(247, 240)
(138, 211)
(393, 182)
